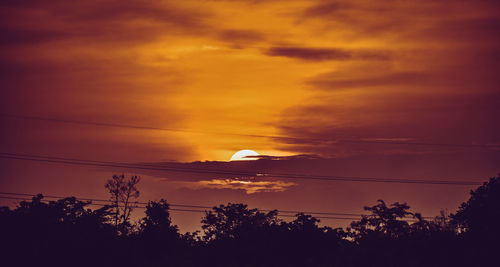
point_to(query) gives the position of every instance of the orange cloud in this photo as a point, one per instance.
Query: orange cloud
(247, 185)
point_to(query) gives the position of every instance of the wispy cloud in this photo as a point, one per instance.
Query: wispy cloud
(324, 54)
(250, 186)
(313, 54)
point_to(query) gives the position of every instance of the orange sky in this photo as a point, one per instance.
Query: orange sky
(222, 71)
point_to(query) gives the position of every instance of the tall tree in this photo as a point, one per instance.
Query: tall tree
(480, 215)
(123, 193)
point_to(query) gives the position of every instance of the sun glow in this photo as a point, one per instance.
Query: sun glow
(245, 154)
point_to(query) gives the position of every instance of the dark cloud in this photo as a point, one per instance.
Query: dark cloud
(309, 54)
(84, 61)
(326, 8)
(458, 69)
(300, 156)
(102, 21)
(247, 176)
(197, 176)
(331, 82)
(248, 1)
(111, 10)
(411, 117)
(441, 88)
(324, 54)
(118, 11)
(240, 37)
(360, 17)
(482, 30)
(9, 36)
(405, 20)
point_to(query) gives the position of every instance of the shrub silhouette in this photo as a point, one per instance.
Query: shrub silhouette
(66, 232)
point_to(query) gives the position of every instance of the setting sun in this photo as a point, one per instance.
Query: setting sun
(245, 154)
(290, 126)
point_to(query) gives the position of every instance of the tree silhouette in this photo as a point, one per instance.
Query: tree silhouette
(304, 243)
(122, 192)
(68, 232)
(54, 232)
(478, 221)
(226, 221)
(157, 216)
(158, 240)
(480, 215)
(384, 221)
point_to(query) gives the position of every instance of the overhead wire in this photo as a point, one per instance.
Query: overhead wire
(191, 210)
(84, 162)
(253, 174)
(194, 206)
(330, 215)
(185, 205)
(329, 140)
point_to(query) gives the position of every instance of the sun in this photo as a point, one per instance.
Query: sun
(243, 155)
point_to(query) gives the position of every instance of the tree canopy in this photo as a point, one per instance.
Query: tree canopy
(69, 232)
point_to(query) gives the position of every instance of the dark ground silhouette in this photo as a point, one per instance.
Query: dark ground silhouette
(67, 232)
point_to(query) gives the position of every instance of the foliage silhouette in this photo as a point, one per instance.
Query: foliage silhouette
(384, 221)
(480, 215)
(229, 221)
(67, 232)
(122, 193)
(56, 232)
(478, 220)
(157, 240)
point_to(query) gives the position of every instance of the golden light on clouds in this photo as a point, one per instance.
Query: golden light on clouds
(326, 88)
(249, 186)
(212, 77)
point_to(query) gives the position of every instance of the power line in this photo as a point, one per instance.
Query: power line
(116, 125)
(197, 206)
(204, 211)
(140, 127)
(195, 211)
(99, 204)
(83, 162)
(188, 206)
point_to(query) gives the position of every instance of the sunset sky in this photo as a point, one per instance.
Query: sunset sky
(360, 88)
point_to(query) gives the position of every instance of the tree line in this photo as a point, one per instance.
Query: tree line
(67, 232)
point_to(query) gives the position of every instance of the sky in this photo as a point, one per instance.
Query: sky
(360, 88)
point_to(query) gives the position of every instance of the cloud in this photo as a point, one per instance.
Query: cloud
(299, 156)
(310, 54)
(451, 165)
(325, 8)
(419, 117)
(87, 61)
(247, 185)
(101, 21)
(247, 176)
(399, 20)
(239, 35)
(331, 81)
(481, 30)
(325, 54)
(456, 69)
(12, 36)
